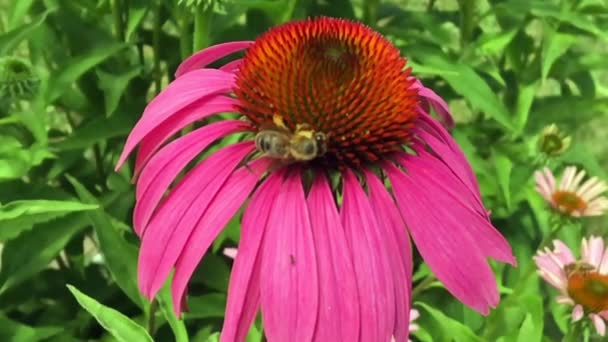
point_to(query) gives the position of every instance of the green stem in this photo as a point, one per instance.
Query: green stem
(152, 317)
(183, 19)
(575, 333)
(156, 42)
(467, 24)
(202, 26)
(119, 24)
(370, 12)
(430, 5)
(423, 285)
(99, 164)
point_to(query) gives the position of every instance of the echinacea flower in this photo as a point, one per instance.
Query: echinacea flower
(570, 197)
(583, 282)
(327, 119)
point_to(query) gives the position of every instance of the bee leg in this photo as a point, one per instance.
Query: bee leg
(278, 121)
(251, 156)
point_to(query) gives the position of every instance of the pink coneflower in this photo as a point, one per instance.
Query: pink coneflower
(570, 197)
(330, 119)
(582, 283)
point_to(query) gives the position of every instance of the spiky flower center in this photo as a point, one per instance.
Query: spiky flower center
(569, 202)
(589, 289)
(336, 76)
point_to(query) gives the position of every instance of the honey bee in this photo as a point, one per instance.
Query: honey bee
(279, 142)
(578, 268)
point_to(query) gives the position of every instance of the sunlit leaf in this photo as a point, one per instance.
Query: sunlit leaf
(119, 255)
(117, 324)
(18, 216)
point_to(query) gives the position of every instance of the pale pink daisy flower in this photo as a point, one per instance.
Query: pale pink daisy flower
(332, 118)
(582, 283)
(570, 197)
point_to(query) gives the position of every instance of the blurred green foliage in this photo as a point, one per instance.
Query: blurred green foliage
(76, 74)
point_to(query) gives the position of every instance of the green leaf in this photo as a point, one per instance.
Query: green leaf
(495, 43)
(114, 86)
(75, 68)
(33, 250)
(211, 305)
(120, 256)
(18, 10)
(18, 216)
(504, 166)
(525, 99)
(449, 329)
(469, 84)
(117, 324)
(137, 12)
(527, 330)
(11, 39)
(18, 332)
(16, 160)
(554, 46)
(98, 129)
(166, 306)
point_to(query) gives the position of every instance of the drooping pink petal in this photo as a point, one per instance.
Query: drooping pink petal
(197, 111)
(375, 280)
(454, 164)
(178, 95)
(290, 282)
(438, 104)
(244, 286)
(177, 216)
(338, 318)
(209, 55)
(430, 173)
(455, 160)
(397, 244)
(222, 208)
(442, 241)
(232, 66)
(162, 169)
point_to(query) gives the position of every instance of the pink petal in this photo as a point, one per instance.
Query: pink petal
(455, 165)
(197, 111)
(290, 283)
(338, 298)
(209, 55)
(600, 325)
(595, 251)
(230, 252)
(244, 286)
(563, 252)
(551, 271)
(232, 66)
(397, 244)
(453, 157)
(374, 278)
(442, 240)
(224, 205)
(439, 105)
(178, 94)
(169, 229)
(577, 313)
(431, 174)
(161, 171)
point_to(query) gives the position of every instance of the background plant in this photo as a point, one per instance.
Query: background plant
(75, 76)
